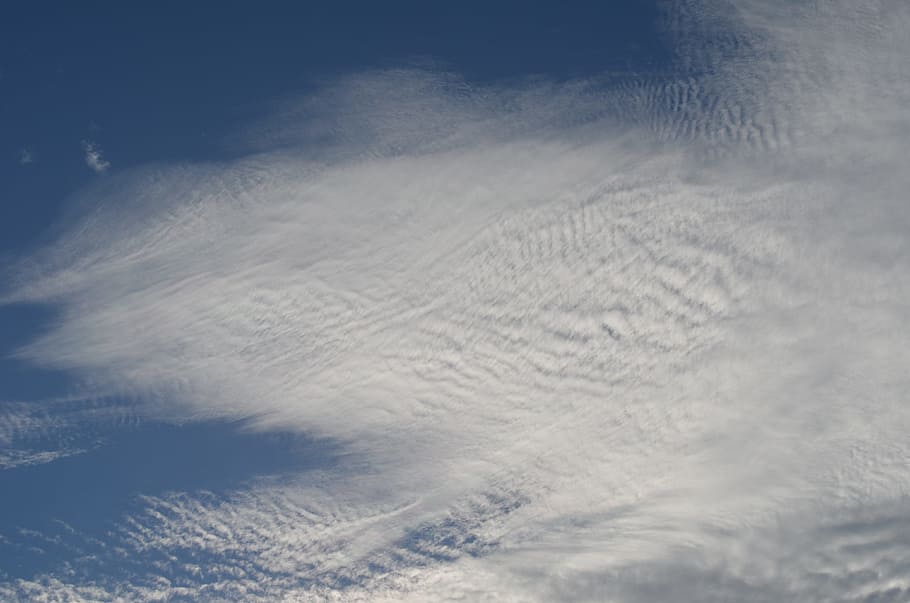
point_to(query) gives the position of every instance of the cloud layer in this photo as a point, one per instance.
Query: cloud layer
(603, 340)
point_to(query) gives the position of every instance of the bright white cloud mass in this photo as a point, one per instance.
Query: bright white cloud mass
(630, 339)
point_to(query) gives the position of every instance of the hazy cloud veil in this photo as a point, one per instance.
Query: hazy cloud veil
(624, 339)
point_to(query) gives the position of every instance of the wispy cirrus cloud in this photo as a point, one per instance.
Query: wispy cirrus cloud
(597, 340)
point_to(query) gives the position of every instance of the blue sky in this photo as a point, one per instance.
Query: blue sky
(571, 301)
(168, 82)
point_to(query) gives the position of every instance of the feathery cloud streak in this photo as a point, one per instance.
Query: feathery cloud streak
(597, 340)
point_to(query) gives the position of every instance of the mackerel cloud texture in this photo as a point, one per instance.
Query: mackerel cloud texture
(600, 340)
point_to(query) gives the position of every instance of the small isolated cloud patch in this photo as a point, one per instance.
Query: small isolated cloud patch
(26, 156)
(93, 157)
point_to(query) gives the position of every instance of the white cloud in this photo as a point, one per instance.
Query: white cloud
(577, 342)
(94, 158)
(26, 156)
(41, 431)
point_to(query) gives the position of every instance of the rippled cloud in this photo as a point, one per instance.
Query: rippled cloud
(599, 340)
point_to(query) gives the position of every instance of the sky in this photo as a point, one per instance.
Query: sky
(412, 302)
